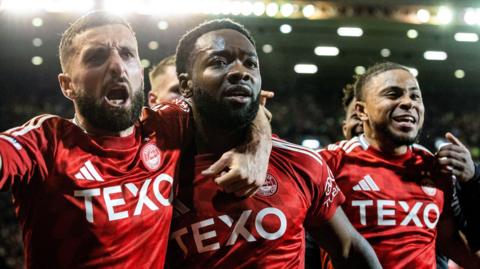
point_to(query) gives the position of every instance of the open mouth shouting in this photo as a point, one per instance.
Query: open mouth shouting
(117, 95)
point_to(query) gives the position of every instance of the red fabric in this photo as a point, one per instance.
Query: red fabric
(92, 202)
(398, 212)
(218, 230)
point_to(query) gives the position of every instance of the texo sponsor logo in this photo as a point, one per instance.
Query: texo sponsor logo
(386, 212)
(142, 199)
(237, 230)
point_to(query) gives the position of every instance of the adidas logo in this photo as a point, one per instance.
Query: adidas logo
(88, 172)
(366, 184)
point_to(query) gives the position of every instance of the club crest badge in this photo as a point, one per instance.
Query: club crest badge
(428, 187)
(270, 186)
(151, 156)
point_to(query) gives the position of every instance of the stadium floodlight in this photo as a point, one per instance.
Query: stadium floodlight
(21, 6)
(271, 9)
(471, 16)
(285, 28)
(385, 52)
(350, 31)
(326, 51)
(235, 8)
(423, 15)
(246, 8)
(37, 60)
(305, 68)
(466, 37)
(311, 143)
(308, 11)
(287, 10)
(267, 48)
(69, 5)
(435, 55)
(412, 33)
(444, 15)
(120, 7)
(360, 70)
(459, 73)
(258, 8)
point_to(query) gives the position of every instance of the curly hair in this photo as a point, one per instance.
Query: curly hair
(373, 70)
(187, 43)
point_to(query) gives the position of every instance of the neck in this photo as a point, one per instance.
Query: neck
(83, 123)
(383, 144)
(211, 138)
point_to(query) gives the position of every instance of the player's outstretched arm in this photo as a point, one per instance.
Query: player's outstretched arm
(247, 164)
(346, 247)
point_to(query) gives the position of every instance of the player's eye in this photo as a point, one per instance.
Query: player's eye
(251, 63)
(218, 61)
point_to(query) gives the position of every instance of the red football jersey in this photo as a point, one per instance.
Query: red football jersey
(89, 202)
(212, 229)
(395, 202)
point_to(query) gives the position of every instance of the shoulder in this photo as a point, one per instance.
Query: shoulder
(39, 123)
(179, 105)
(294, 152)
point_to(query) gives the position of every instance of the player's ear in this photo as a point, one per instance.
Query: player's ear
(186, 85)
(65, 82)
(152, 99)
(344, 128)
(361, 110)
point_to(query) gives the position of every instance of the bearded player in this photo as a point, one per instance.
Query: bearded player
(394, 197)
(95, 191)
(218, 69)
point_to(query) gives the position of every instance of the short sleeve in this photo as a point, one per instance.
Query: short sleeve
(172, 120)
(331, 154)
(25, 151)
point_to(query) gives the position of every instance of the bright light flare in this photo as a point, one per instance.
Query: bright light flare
(435, 55)
(287, 10)
(423, 15)
(308, 11)
(350, 31)
(311, 143)
(272, 9)
(326, 51)
(444, 15)
(471, 16)
(466, 37)
(305, 68)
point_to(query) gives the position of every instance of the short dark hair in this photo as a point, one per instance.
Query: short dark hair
(348, 96)
(90, 20)
(187, 43)
(161, 67)
(373, 70)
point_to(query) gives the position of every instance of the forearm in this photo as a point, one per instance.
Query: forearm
(359, 255)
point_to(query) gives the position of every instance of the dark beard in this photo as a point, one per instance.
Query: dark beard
(108, 118)
(222, 114)
(396, 139)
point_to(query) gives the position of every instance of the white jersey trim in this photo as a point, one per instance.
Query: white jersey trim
(420, 147)
(20, 131)
(296, 148)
